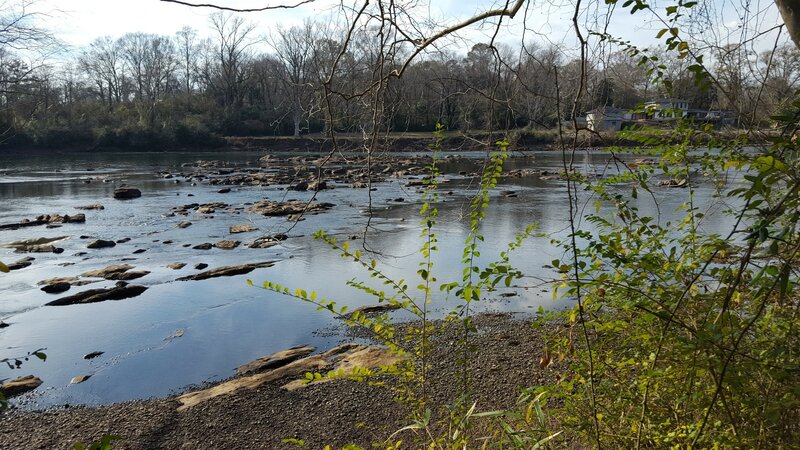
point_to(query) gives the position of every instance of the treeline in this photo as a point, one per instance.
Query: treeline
(145, 91)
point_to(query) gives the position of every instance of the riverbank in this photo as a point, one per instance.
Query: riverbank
(335, 413)
(521, 140)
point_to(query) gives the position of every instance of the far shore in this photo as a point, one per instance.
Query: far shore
(395, 142)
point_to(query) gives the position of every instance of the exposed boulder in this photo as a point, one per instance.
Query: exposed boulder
(101, 243)
(126, 193)
(176, 266)
(100, 295)
(200, 266)
(227, 271)
(20, 385)
(184, 224)
(56, 288)
(73, 281)
(227, 244)
(203, 246)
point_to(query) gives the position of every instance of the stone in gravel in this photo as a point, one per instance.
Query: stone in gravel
(100, 295)
(107, 272)
(242, 229)
(201, 266)
(227, 244)
(94, 206)
(204, 246)
(57, 288)
(275, 360)
(185, 224)
(227, 271)
(92, 355)
(101, 243)
(126, 193)
(79, 379)
(176, 266)
(20, 385)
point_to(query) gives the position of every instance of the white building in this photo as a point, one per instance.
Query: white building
(606, 118)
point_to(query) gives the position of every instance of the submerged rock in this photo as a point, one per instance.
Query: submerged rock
(94, 206)
(100, 295)
(227, 271)
(20, 385)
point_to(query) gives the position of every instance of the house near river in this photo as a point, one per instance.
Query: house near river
(656, 112)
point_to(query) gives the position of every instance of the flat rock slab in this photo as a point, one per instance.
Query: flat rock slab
(73, 281)
(79, 379)
(176, 266)
(100, 295)
(94, 206)
(242, 229)
(32, 245)
(268, 208)
(227, 271)
(346, 357)
(275, 360)
(108, 271)
(20, 385)
(373, 309)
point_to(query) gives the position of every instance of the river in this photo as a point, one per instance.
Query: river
(180, 334)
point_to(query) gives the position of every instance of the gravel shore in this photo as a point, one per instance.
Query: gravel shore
(335, 413)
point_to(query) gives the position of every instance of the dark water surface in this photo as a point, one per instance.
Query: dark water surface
(225, 322)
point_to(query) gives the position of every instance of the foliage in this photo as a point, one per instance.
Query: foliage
(413, 340)
(690, 336)
(103, 444)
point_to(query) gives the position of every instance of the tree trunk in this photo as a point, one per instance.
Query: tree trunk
(790, 10)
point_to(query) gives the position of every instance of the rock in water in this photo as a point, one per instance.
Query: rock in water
(201, 266)
(79, 379)
(227, 244)
(185, 224)
(107, 272)
(101, 243)
(57, 288)
(95, 206)
(20, 385)
(242, 228)
(92, 355)
(176, 266)
(204, 246)
(228, 271)
(100, 295)
(126, 193)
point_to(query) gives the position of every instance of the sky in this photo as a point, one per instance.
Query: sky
(78, 22)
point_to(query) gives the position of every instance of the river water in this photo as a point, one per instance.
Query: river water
(184, 333)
